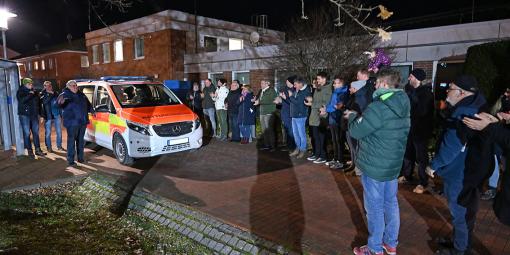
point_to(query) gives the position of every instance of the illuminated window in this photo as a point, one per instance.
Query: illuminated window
(43, 65)
(84, 61)
(235, 44)
(36, 65)
(118, 51)
(139, 47)
(106, 52)
(95, 54)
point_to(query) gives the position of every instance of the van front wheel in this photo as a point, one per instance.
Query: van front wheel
(121, 152)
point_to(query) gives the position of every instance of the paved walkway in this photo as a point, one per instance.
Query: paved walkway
(296, 203)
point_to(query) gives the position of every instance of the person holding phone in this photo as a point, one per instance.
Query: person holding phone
(299, 114)
(28, 111)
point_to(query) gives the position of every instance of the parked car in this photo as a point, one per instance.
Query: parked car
(137, 117)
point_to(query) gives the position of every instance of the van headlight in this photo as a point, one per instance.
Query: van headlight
(142, 129)
(197, 123)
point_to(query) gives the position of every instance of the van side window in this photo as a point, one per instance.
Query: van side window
(89, 92)
(102, 99)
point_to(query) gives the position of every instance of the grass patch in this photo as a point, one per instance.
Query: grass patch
(61, 220)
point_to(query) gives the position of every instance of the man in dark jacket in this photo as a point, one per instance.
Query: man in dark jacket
(449, 161)
(51, 113)
(208, 104)
(299, 114)
(285, 113)
(76, 107)
(381, 132)
(232, 104)
(422, 123)
(28, 111)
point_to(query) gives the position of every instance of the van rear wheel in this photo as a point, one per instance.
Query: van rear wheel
(121, 151)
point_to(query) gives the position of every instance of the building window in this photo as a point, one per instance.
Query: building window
(235, 44)
(404, 69)
(215, 77)
(50, 63)
(139, 48)
(84, 61)
(118, 51)
(243, 77)
(210, 44)
(95, 54)
(43, 65)
(106, 52)
(29, 64)
(36, 65)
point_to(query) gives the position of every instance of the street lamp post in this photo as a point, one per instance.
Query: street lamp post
(4, 16)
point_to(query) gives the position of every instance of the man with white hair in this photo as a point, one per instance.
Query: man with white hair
(75, 107)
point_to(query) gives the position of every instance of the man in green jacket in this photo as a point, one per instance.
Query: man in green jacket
(267, 109)
(382, 132)
(319, 121)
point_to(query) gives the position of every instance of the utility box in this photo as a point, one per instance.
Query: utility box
(10, 128)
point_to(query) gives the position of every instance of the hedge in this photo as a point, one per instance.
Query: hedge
(490, 64)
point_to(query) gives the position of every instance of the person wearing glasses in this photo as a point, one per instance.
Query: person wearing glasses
(75, 109)
(450, 162)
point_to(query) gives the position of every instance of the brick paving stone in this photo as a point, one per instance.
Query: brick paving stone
(234, 252)
(226, 250)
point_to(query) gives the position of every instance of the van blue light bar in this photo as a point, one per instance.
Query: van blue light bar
(125, 78)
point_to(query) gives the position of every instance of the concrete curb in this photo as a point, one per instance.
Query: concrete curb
(46, 184)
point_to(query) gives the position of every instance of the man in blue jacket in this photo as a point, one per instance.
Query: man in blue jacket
(51, 112)
(76, 107)
(449, 162)
(28, 111)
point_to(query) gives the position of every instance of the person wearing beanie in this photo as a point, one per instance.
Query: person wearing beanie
(28, 111)
(422, 124)
(456, 160)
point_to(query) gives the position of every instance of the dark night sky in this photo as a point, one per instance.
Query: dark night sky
(47, 22)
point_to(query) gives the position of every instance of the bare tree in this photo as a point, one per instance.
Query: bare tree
(315, 44)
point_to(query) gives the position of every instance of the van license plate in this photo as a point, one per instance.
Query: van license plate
(177, 141)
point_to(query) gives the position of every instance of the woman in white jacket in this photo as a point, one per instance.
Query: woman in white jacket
(221, 108)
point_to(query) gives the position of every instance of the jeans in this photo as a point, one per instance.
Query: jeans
(47, 131)
(288, 134)
(245, 131)
(299, 131)
(416, 151)
(383, 215)
(319, 138)
(338, 137)
(210, 113)
(493, 180)
(222, 119)
(353, 148)
(234, 126)
(461, 215)
(75, 142)
(30, 124)
(267, 126)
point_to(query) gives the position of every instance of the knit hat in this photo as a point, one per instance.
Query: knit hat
(358, 84)
(419, 74)
(466, 82)
(292, 78)
(26, 81)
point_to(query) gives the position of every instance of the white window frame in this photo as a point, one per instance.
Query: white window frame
(236, 72)
(117, 57)
(95, 54)
(135, 40)
(235, 39)
(86, 64)
(106, 49)
(36, 65)
(210, 74)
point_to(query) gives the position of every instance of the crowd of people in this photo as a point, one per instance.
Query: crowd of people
(388, 131)
(69, 108)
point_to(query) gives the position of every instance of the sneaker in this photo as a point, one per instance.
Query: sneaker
(320, 161)
(294, 153)
(61, 148)
(301, 154)
(338, 165)
(489, 194)
(72, 164)
(402, 180)
(444, 242)
(329, 163)
(419, 189)
(364, 250)
(82, 161)
(311, 158)
(389, 250)
(39, 152)
(31, 154)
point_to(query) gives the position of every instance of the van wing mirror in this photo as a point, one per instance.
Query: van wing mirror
(102, 108)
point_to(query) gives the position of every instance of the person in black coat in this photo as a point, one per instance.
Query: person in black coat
(232, 103)
(195, 100)
(28, 111)
(422, 125)
(494, 132)
(51, 113)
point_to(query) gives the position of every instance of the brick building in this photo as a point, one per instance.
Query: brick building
(156, 45)
(57, 64)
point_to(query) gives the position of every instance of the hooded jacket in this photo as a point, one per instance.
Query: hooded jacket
(339, 96)
(382, 132)
(449, 161)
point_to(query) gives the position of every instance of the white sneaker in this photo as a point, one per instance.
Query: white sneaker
(402, 180)
(329, 163)
(419, 189)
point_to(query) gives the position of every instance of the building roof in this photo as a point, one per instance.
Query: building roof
(10, 53)
(74, 45)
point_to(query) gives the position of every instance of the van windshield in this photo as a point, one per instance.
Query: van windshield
(144, 95)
